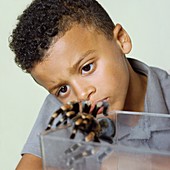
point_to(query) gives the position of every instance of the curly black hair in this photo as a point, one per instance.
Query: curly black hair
(43, 20)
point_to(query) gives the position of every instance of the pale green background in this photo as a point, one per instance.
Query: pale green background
(146, 21)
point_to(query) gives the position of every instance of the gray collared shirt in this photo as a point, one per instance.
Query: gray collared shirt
(152, 131)
(157, 100)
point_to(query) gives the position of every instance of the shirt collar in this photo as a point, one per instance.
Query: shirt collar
(154, 99)
(154, 103)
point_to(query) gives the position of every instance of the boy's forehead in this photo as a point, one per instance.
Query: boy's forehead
(78, 36)
(78, 29)
(73, 44)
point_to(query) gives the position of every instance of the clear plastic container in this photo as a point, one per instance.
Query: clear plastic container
(142, 142)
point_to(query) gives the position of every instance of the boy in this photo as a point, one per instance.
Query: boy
(74, 50)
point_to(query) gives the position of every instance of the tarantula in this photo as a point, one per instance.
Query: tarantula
(83, 118)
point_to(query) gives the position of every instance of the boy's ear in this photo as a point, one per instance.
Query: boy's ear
(122, 38)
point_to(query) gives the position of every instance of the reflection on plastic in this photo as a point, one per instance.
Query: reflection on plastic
(142, 142)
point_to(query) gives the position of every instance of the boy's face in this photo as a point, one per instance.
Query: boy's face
(85, 65)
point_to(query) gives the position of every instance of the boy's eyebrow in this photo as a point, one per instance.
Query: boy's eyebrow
(75, 65)
(54, 87)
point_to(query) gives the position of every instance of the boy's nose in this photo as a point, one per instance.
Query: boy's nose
(84, 91)
(85, 94)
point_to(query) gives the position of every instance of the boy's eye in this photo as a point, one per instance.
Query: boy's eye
(87, 68)
(63, 90)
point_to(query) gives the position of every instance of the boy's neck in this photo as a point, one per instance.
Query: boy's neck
(136, 92)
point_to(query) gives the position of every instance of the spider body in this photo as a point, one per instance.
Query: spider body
(88, 125)
(82, 116)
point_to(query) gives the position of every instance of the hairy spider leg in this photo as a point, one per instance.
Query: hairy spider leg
(69, 111)
(74, 131)
(96, 108)
(74, 106)
(81, 122)
(73, 148)
(95, 150)
(74, 110)
(70, 106)
(91, 136)
(81, 155)
(105, 108)
(105, 153)
(86, 105)
(100, 104)
(53, 117)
